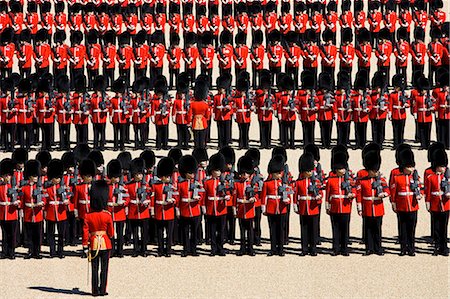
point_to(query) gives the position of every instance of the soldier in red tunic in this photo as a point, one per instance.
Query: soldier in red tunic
(275, 201)
(242, 108)
(380, 106)
(245, 196)
(162, 205)
(9, 208)
(214, 203)
(81, 199)
(437, 200)
(325, 101)
(423, 106)
(443, 110)
(339, 194)
(180, 109)
(307, 106)
(32, 202)
(361, 105)
(406, 191)
(307, 198)
(56, 207)
(160, 113)
(97, 233)
(370, 192)
(398, 102)
(189, 202)
(200, 113)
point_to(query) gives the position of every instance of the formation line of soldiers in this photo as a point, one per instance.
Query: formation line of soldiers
(166, 203)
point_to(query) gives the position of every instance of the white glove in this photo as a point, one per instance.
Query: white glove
(177, 212)
(296, 209)
(263, 209)
(203, 210)
(75, 213)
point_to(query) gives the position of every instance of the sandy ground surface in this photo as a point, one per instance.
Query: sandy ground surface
(423, 276)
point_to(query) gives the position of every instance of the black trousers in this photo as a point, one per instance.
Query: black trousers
(8, 136)
(343, 133)
(139, 135)
(309, 225)
(385, 69)
(224, 132)
(24, 132)
(46, 136)
(374, 39)
(140, 72)
(277, 227)
(99, 135)
(265, 133)
(9, 231)
(360, 134)
(162, 136)
(64, 136)
(372, 233)
(25, 72)
(424, 134)
(119, 136)
(257, 223)
(444, 132)
(288, 132)
(378, 130)
(142, 225)
(408, 222)
(191, 73)
(126, 74)
(308, 132)
(293, 73)
(200, 138)
(230, 227)
(398, 127)
(274, 72)
(71, 229)
(255, 78)
(101, 261)
(34, 235)
(92, 74)
(330, 70)
(162, 225)
(51, 226)
(216, 226)
(340, 225)
(118, 238)
(109, 76)
(440, 220)
(189, 228)
(82, 134)
(432, 69)
(247, 235)
(74, 73)
(326, 127)
(152, 230)
(243, 135)
(182, 135)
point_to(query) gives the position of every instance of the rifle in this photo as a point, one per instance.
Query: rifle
(291, 102)
(428, 100)
(329, 99)
(364, 101)
(284, 190)
(381, 101)
(346, 185)
(163, 106)
(187, 102)
(29, 102)
(222, 188)
(168, 190)
(257, 180)
(312, 188)
(62, 191)
(38, 193)
(402, 97)
(445, 183)
(74, 179)
(346, 104)
(195, 188)
(120, 192)
(103, 104)
(13, 192)
(319, 172)
(84, 106)
(141, 192)
(311, 102)
(268, 103)
(414, 185)
(377, 185)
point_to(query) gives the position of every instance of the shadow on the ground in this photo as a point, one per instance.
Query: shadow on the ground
(74, 291)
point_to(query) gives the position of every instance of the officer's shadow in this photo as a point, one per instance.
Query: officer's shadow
(74, 291)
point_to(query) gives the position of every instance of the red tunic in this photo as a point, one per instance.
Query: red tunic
(422, 112)
(199, 110)
(397, 109)
(160, 114)
(55, 206)
(118, 113)
(305, 199)
(271, 200)
(8, 209)
(242, 110)
(286, 112)
(116, 208)
(186, 203)
(32, 210)
(99, 116)
(215, 204)
(307, 108)
(341, 112)
(438, 201)
(337, 200)
(81, 199)
(402, 195)
(265, 105)
(366, 197)
(379, 109)
(245, 207)
(361, 113)
(161, 206)
(138, 207)
(98, 222)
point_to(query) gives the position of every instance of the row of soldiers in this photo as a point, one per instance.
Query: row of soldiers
(286, 46)
(147, 200)
(38, 105)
